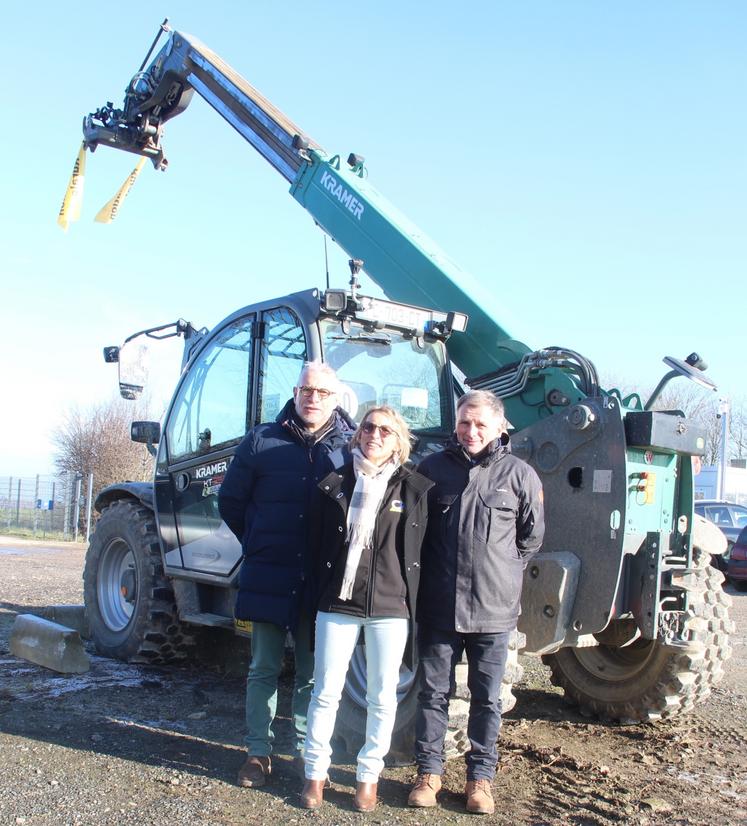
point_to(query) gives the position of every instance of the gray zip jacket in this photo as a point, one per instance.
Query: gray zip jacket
(485, 522)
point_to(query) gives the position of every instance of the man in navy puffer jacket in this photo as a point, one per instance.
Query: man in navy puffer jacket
(265, 500)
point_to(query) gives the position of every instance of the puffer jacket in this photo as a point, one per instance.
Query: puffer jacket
(265, 501)
(395, 559)
(485, 521)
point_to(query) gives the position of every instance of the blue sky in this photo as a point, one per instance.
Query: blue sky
(585, 161)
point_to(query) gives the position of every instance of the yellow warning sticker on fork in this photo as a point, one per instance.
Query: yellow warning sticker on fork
(109, 211)
(70, 209)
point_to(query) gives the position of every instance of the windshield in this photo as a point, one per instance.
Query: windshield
(385, 367)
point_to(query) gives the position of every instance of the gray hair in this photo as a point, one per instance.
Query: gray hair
(323, 368)
(482, 398)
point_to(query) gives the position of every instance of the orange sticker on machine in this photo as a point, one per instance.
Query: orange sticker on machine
(650, 488)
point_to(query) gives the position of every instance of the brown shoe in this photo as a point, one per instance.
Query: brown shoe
(365, 796)
(254, 772)
(424, 792)
(479, 797)
(312, 795)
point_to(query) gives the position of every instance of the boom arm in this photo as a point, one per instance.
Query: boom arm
(407, 265)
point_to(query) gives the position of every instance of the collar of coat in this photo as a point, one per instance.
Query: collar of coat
(413, 480)
(495, 451)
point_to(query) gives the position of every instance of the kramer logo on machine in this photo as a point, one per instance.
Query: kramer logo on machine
(210, 470)
(347, 199)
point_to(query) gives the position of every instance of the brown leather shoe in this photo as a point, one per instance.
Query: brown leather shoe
(424, 792)
(312, 795)
(254, 772)
(479, 797)
(365, 796)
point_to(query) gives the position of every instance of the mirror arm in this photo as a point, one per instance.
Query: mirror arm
(660, 387)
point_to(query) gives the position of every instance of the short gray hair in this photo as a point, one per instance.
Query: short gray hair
(324, 369)
(482, 398)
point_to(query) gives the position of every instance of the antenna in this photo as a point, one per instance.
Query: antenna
(326, 260)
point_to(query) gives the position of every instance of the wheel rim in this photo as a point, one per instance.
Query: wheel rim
(117, 585)
(355, 684)
(612, 664)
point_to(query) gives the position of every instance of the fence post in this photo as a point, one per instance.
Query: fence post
(66, 523)
(76, 509)
(89, 507)
(50, 514)
(18, 505)
(36, 505)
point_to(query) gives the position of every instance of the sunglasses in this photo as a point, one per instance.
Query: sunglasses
(370, 427)
(307, 392)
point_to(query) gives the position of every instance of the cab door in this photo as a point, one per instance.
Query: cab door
(243, 375)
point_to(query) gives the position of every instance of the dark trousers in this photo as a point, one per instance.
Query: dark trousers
(439, 652)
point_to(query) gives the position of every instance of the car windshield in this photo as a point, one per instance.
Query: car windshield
(740, 517)
(387, 367)
(724, 514)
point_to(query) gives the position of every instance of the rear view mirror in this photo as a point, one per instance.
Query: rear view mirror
(148, 433)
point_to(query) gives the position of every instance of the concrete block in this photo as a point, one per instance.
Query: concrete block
(48, 644)
(71, 616)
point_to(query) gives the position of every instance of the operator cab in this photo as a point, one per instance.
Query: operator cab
(243, 372)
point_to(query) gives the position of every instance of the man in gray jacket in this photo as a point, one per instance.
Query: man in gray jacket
(485, 521)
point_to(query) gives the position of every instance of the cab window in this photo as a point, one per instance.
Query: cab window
(390, 368)
(283, 354)
(212, 407)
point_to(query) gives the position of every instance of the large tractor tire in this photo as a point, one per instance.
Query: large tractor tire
(129, 602)
(350, 728)
(644, 680)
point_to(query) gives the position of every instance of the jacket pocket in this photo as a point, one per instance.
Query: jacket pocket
(496, 521)
(445, 512)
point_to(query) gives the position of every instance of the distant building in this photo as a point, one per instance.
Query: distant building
(735, 483)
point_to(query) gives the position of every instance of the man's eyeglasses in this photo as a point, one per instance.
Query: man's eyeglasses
(307, 392)
(370, 427)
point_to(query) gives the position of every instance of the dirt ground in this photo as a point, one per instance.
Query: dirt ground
(143, 745)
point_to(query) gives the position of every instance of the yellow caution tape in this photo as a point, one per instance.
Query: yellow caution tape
(71, 203)
(243, 627)
(109, 211)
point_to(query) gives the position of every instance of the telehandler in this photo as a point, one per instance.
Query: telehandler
(621, 602)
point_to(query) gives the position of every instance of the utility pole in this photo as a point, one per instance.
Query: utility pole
(723, 458)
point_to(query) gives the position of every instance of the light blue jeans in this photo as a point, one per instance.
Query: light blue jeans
(268, 650)
(336, 636)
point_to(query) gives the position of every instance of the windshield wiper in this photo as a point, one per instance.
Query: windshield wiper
(361, 338)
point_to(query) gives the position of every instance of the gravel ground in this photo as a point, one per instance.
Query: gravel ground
(141, 745)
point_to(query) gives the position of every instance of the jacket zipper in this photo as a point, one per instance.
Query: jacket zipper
(374, 556)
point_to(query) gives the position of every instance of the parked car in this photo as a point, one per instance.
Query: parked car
(736, 568)
(729, 516)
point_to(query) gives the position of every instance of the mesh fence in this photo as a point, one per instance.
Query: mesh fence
(55, 507)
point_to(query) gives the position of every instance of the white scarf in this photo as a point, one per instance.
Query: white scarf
(370, 486)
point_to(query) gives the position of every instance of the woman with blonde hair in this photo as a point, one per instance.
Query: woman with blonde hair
(368, 525)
